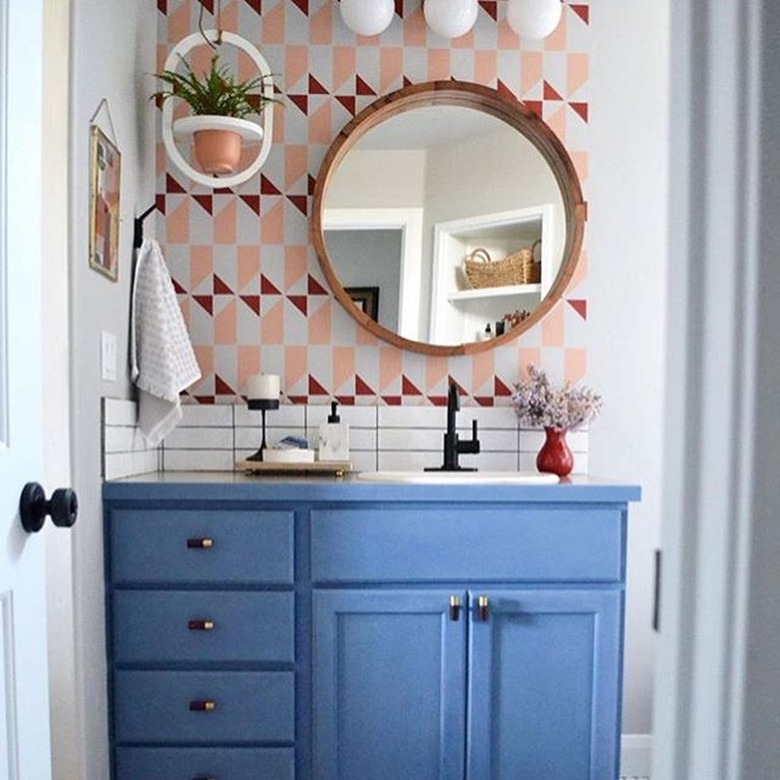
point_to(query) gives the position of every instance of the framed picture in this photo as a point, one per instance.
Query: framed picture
(104, 178)
(366, 299)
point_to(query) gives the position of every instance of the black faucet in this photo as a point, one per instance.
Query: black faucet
(453, 446)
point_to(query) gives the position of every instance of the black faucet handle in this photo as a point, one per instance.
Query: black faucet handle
(474, 430)
(454, 397)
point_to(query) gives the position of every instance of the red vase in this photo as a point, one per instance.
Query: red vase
(555, 456)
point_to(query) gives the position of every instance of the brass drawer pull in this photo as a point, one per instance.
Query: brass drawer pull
(200, 625)
(204, 543)
(483, 607)
(203, 706)
(454, 608)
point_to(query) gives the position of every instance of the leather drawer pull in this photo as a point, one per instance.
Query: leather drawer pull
(204, 543)
(201, 625)
(203, 706)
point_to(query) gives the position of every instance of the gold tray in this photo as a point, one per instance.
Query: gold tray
(334, 468)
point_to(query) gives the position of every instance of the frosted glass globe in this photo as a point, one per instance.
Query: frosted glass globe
(533, 19)
(367, 17)
(450, 18)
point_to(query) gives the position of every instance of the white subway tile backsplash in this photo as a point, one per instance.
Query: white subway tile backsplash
(203, 437)
(286, 416)
(117, 411)
(214, 438)
(396, 460)
(197, 415)
(411, 417)
(198, 460)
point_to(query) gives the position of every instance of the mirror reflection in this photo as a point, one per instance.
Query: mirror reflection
(417, 195)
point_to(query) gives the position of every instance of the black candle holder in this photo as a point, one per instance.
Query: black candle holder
(264, 405)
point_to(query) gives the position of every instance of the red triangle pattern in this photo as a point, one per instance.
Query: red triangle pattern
(504, 90)
(550, 93)
(536, 106)
(399, 8)
(206, 301)
(392, 400)
(407, 81)
(484, 400)
(500, 389)
(315, 388)
(580, 306)
(255, 5)
(253, 201)
(267, 287)
(315, 87)
(206, 400)
(312, 185)
(298, 399)
(172, 187)
(407, 387)
(223, 191)
(302, 101)
(301, 202)
(221, 387)
(362, 387)
(301, 302)
(437, 400)
(162, 7)
(253, 302)
(361, 88)
(267, 187)
(583, 11)
(159, 201)
(177, 288)
(491, 7)
(345, 400)
(303, 5)
(315, 288)
(349, 102)
(206, 201)
(581, 109)
(220, 288)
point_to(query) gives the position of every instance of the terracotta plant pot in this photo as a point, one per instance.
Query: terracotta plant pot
(217, 151)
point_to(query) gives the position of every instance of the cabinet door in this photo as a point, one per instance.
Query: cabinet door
(389, 685)
(544, 685)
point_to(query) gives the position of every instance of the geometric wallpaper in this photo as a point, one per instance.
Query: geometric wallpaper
(248, 279)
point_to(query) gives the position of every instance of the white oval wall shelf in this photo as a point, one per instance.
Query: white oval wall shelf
(250, 131)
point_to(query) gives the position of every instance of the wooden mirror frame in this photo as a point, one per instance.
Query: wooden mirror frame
(480, 98)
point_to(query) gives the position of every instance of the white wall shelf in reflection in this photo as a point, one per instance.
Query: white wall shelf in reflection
(508, 291)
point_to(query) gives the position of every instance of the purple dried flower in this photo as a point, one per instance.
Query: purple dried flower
(541, 405)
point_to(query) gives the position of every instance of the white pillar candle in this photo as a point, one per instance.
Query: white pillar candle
(263, 386)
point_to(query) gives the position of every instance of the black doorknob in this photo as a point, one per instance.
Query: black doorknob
(33, 507)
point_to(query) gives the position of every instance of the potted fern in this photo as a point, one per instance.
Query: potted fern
(219, 105)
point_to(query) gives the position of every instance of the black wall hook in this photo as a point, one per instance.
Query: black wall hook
(138, 227)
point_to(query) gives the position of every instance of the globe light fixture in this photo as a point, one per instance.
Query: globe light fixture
(533, 19)
(450, 18)
(367, 17)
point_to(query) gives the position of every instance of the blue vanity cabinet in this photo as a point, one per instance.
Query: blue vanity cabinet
(201, 641)
(317, 630)
(466, 642)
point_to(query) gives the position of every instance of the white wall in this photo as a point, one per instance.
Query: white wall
(113, 51)
(627, 239)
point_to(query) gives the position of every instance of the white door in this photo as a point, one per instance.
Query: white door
(24, 706)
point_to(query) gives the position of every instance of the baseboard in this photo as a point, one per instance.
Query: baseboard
(636, 755)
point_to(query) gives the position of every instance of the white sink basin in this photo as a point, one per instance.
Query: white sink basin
(460, 477)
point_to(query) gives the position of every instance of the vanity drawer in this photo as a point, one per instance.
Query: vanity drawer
(203, 546)
(180, 626)
(216, 763)
(163, 707)
(486, 543)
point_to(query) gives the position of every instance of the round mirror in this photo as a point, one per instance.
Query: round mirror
(447, 218)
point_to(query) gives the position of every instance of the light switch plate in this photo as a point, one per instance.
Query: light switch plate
(108, 350)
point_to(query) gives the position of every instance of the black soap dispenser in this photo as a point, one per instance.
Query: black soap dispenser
(334, 437)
